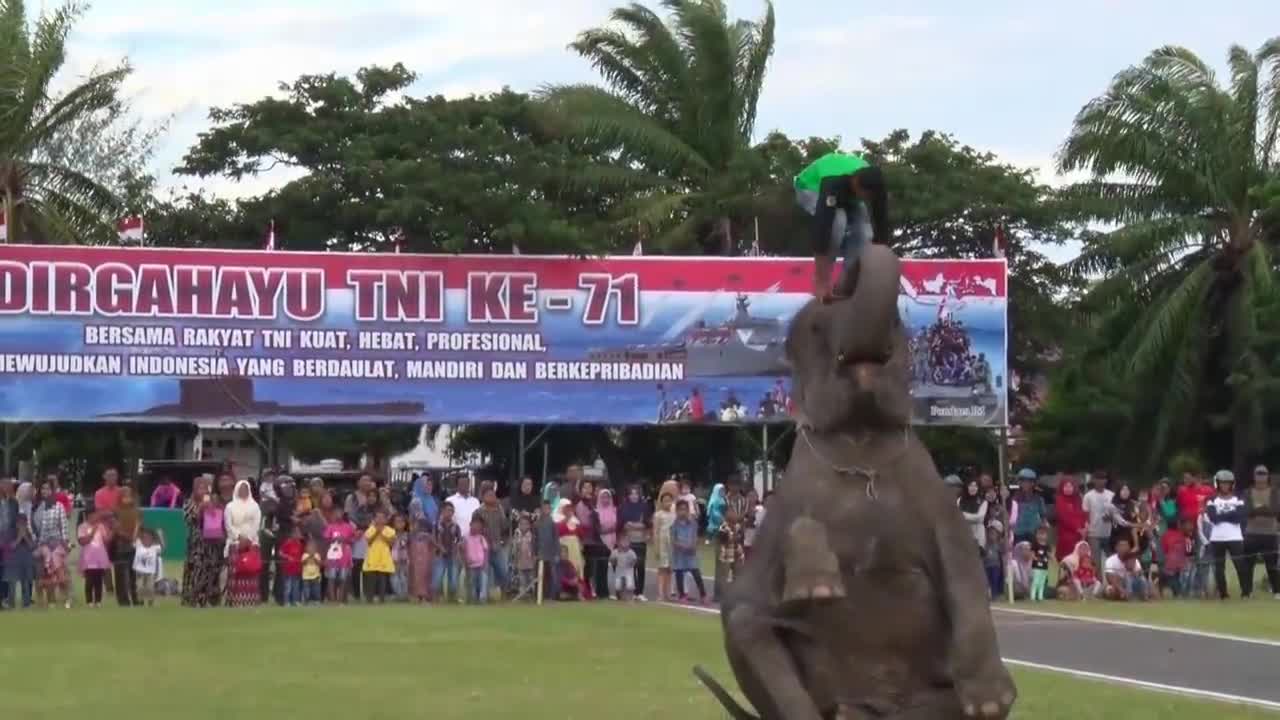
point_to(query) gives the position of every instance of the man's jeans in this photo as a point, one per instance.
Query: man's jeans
(498, 566)
(292, 589)
(441, 569)
(847, 238)
(478, 580)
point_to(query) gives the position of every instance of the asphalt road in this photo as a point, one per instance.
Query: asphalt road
(1201, 663)
(1194, 663)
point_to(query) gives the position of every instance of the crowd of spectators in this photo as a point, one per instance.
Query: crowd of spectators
(1167, 541)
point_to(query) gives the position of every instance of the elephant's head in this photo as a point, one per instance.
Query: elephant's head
(848, 358)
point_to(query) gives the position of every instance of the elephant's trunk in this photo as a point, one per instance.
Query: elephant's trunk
(866, 322)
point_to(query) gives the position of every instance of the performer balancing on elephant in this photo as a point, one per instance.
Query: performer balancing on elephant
(847, 198)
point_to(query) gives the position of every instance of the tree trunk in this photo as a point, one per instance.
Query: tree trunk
(725, 228)
(615, 457)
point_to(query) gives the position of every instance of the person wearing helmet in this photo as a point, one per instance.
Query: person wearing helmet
(847, 198)
(1226, 513)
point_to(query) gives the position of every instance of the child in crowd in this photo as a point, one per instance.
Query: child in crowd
(20, 564)
(548, 551)
(1189, 580)
(147, 565)
(1173, 547)
(623, 562)
(95, 561)
(302, 505)
(730, 539)
(684, 555)
(476, 552)
(1040, 554)
(524, 551)
(290, 552)
(663, 521)
(993, 559)
(379, 565)
(339, 534)
(1080, 574)
(54, 579)
(752, 522)
(447, 540)
(400, 555)
(312, 566)
(687, 496)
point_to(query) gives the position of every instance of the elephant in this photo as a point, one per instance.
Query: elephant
(864, 596)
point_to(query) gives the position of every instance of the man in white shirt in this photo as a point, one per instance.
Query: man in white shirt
(464, 504)
(1123, 575)
(1226, 512)
(1098, 505)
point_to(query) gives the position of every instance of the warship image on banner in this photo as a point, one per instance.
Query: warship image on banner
(745, 345)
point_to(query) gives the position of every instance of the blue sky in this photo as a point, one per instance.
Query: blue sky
(1000, 75)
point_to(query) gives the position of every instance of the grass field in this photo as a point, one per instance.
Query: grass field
(559, 662)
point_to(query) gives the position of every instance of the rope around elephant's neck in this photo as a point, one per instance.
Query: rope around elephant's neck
(869, 474)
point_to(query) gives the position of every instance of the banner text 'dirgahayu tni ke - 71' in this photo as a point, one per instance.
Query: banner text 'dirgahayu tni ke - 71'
(151, 335)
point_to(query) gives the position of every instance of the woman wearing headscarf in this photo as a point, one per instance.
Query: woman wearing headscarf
(1072, 520)
(716, 505)
(570, 531)
(525, 503)
(424, 491)
(1020, 570)
(206, 536)
(607, 512)
(551, 493)
(633, 521)
(594, 552)
(128, 523)
(421, 551)
(974, 509)
(244, 520)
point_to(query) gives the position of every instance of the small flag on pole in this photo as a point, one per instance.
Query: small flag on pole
(271, 235)
(639, 248)
(515, 249)
(4, 227)
(998, 243)
(131, 229)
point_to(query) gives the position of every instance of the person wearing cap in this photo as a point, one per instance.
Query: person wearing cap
(1226, 513)
(1030, 512)
(1262, 531)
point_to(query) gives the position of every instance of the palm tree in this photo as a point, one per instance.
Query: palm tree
(44, 199)
(1178, 165)
(679, 111)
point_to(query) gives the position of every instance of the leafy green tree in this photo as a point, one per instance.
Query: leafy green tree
(377, 443)
(475, 174)
(679, 109)
(1178, 163)
(946, 201)
(44, 197)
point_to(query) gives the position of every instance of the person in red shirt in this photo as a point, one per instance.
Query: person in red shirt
(696, 409)
(1174, 546)
(1071, 517)
(107, 498)
(291, 566)
(1192, 495)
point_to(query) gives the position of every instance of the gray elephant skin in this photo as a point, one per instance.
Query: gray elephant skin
(864, 596)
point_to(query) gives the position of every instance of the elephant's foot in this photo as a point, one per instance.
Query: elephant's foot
(989, 698)
(812, 569)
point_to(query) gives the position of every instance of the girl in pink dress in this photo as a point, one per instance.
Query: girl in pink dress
(95, 562)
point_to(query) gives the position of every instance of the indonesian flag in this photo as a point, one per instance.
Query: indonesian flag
(639, 248)
(271, 236)
(998, 243)
(131, 229)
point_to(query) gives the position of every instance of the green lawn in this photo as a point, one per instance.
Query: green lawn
(555, 662)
